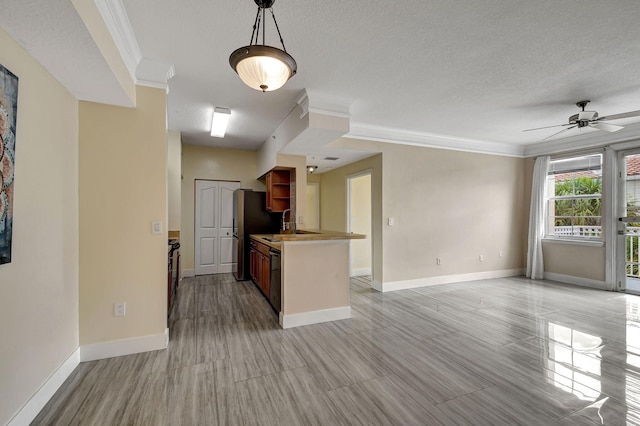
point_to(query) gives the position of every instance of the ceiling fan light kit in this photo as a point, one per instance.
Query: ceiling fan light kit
(259, 66)
(587, 119)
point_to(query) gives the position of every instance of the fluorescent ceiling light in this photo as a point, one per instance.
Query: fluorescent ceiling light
(220, 121)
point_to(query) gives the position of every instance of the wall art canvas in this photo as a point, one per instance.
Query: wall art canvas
(8, 112)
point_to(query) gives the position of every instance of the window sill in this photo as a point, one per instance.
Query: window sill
(576, 242)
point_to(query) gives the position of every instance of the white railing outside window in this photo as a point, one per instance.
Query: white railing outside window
(578, 231)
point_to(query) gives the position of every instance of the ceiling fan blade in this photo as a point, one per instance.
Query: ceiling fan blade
(561, 132)
(548, 127)
(606, 127)
(621, 115)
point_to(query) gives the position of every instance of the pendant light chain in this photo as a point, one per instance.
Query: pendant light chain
(256, 26)
(278, 29)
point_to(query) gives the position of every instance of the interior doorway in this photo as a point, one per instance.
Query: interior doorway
(312, 221)
(359, 213)
(628, 244)
(213, 221)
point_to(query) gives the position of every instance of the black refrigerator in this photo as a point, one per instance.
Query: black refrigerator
(250, 217)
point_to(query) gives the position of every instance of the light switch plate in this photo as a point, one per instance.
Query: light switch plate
(390, 221)
(156, 227)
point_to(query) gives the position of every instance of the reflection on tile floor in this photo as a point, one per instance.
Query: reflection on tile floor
(504, 351)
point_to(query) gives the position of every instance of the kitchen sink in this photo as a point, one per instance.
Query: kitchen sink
(271, 240)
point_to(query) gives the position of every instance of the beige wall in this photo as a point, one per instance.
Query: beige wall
(200, 162)
(574, 260)
(174, 179)
(445, 204)
(451, 205)
(333, 202)
(40, 286)
(123, 188)
(310, 285)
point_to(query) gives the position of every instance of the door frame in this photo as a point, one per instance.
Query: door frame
(348, 180)
(618, 252)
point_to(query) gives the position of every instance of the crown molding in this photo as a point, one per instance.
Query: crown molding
(432, 140)
(115, 18)
(598, 139)
(154, 74)
(313, 101)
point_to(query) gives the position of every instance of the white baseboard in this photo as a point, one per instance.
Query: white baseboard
(188, 273)
(314, 317)
(376, 285)
(447, 279)
(361, 272)
(37, 402)
(122, 347)
(570, 279)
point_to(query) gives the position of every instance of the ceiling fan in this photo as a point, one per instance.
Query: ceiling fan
(588, 119)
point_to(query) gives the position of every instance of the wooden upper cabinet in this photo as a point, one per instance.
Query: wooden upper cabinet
(278, 182)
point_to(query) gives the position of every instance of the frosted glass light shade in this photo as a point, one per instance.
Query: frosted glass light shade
(263, 68)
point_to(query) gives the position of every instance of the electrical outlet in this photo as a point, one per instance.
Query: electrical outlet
(390, 221)
(481, 258)
(119, 309)
(438, 261)
(301, 220)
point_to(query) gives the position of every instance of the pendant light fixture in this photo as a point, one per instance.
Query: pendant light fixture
(259, 66)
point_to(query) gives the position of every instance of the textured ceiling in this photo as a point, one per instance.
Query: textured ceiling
(481, 69)
(475, 71)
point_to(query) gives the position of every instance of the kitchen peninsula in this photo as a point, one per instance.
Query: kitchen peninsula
(314, 271)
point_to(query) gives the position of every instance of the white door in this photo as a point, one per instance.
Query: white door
(206, 223)
(629, 223)
(214, 227)
(228, 255)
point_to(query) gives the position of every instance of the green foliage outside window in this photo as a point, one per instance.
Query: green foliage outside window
(578, 211)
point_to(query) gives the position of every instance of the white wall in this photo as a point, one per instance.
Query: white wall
(39, 304)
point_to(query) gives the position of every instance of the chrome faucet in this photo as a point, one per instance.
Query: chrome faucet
(288, 227)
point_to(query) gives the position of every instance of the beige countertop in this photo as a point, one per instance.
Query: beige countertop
(305, 235)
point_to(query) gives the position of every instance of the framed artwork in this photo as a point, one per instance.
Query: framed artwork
(8, 112)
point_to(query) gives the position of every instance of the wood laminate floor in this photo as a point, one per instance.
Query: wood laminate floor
(495, 352)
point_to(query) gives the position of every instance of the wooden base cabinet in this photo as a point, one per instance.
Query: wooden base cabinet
(260, 266)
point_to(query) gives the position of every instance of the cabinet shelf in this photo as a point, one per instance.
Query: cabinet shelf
(278, 184)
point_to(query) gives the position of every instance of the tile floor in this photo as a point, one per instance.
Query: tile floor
(495, 352)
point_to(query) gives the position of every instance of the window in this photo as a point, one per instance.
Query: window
(574, 188)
